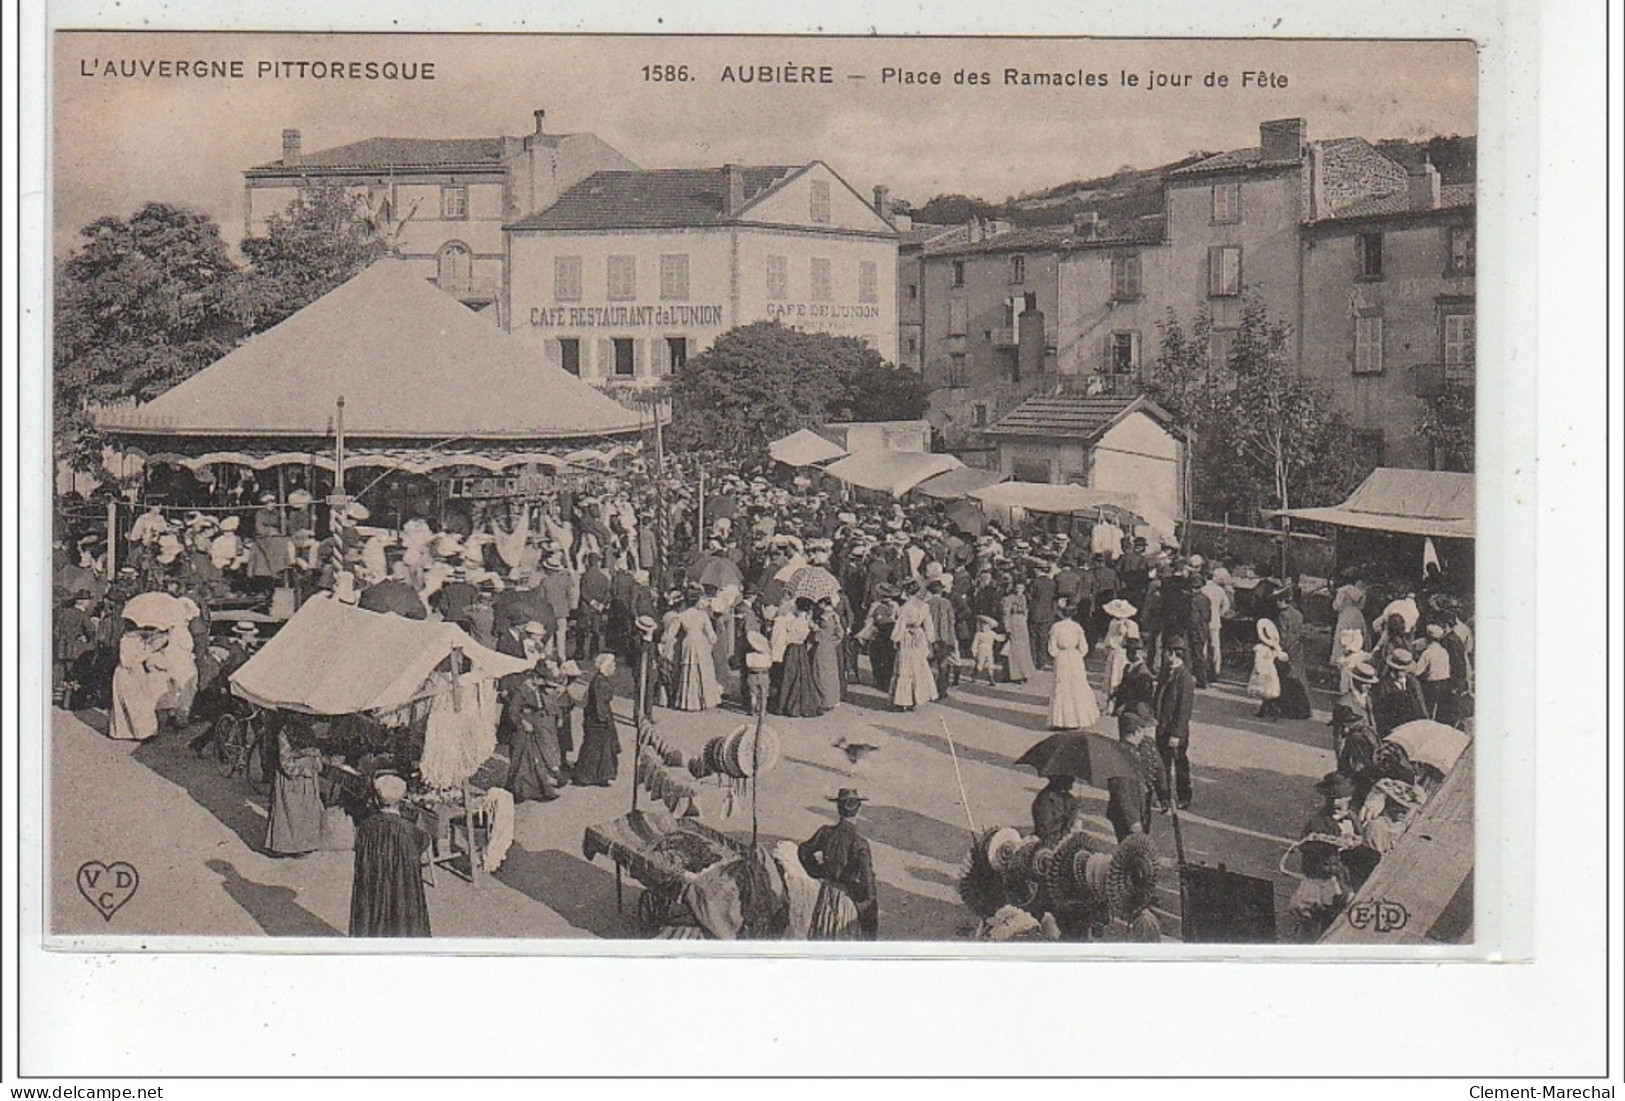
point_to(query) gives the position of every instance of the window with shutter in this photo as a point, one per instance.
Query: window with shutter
(676, 353)
(1227, 203)
(606, 358)
(778, 278)
(623, 352)
(568, 354)
(1126, 277)
(567, 278)
(818, 210)
(868, 281)
(819, 289)
(622, 278)
(1224, 271)
(1368, 345)
(674, 277)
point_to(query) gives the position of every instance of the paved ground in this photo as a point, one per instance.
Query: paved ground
(195, 836)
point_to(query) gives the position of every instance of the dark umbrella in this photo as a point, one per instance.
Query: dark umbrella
(720, 572)
(1085, 755)
(967, 517)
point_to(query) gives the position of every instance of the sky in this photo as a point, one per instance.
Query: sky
(118, 142)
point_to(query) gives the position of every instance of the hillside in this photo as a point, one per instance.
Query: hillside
(1131, 193)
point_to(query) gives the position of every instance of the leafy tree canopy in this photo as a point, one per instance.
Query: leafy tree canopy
(324, 238)
(1268, 436)
(143, 304)
(763, 381)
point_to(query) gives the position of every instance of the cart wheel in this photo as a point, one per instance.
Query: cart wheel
(228, 737)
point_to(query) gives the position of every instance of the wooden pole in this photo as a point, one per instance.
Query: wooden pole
(659, 570)
(338, 463)
(112, 537)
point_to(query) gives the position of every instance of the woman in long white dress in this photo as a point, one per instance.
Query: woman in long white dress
(1072, 706)
(137, 688)
(1019, 647)
(1121, 628)
(695, 667)
(914, 632)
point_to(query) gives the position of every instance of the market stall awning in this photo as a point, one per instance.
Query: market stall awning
(804, 447)
(334, 659)
(1045, 497)
(894, 472)
(410, 361)
(1435, 503)
(954, 484)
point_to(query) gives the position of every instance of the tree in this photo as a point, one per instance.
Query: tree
(1268, 436)
(762, 381)
(325, 237)
(143, 304)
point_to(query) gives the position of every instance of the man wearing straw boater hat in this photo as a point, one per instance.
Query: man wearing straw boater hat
(840, 859)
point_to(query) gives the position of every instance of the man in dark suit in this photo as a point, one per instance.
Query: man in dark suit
(945, 649)
(1175, 696)
(592, 613)
(840, 857)
(1041, 615)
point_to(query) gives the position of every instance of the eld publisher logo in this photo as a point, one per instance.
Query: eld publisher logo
(1379, 915)
(107, 886)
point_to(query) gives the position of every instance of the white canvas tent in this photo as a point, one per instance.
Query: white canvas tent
(335, 659)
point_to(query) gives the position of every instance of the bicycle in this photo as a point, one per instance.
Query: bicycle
(240, 744)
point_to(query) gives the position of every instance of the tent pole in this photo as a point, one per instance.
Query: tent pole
(338, 463)
(112, 537)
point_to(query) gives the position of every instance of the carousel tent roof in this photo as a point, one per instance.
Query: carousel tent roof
(334, 659)
(894, 472)
(410, 361)
(1406, 502)
(804, 447)
(954, 484)
(1044, 497)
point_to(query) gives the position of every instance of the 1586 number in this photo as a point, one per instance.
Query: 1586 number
(666, 74)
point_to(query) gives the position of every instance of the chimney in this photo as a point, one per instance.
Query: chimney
(975, 230)
(290, 149)
(1029, 339)
(1086, 224)
(1423, 184)
(734, 175)
(883, 201)
(1283, 139)
(540, 115)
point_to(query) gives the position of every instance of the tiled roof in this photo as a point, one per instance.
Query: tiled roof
(400, 153)
(921, 234)
(1451, 196)
(1252, 157)
(1071, 415)
(1054, 238)
(662, 198)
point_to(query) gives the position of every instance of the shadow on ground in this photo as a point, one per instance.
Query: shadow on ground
(582, 894)
(230, 799)
(273, 908)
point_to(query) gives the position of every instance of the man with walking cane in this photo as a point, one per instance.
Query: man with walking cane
(1175, 696)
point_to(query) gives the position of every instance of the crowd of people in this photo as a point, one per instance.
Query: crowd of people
(823, 590)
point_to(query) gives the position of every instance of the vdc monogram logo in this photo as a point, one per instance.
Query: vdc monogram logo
(107, 886)
(1378, 915)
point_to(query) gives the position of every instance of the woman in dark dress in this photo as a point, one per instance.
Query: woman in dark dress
(386, 895)
(536, 771)
(798, 688)
(295, 826)
(599, 760)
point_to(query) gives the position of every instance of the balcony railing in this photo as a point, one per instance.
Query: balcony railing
(1430, 380)
(469, 288)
